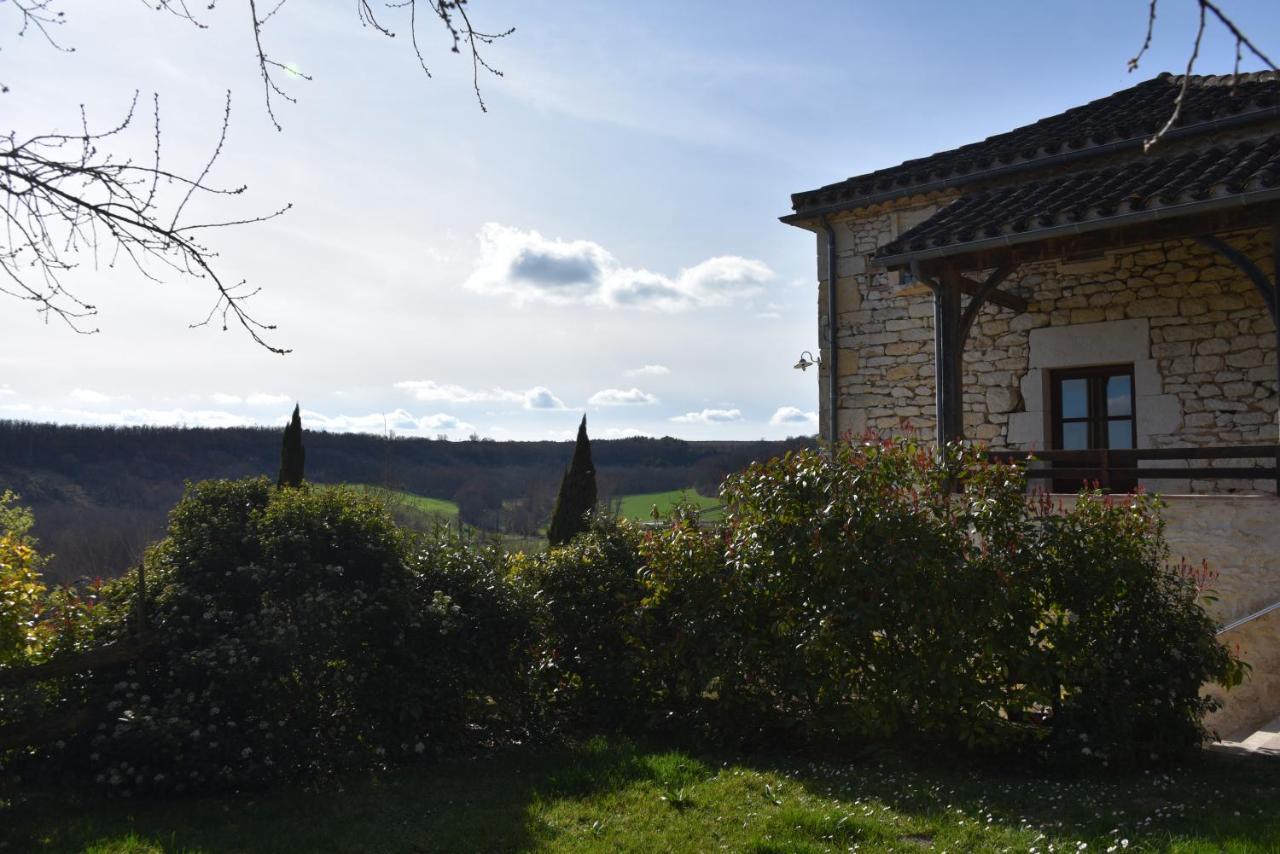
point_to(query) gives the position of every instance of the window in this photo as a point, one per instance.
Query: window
(1094, 408)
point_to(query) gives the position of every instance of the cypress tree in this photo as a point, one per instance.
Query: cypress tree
(577, 493)
(292, 454)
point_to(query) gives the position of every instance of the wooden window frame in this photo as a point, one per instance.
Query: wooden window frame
(1096, 376)
(1096, 419)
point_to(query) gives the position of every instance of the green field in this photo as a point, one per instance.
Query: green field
(447, 510)
(613, 795)
(640, 507)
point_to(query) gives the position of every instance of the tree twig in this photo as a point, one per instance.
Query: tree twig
(1242, 45)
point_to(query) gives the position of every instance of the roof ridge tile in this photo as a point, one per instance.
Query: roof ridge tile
(1123, 117)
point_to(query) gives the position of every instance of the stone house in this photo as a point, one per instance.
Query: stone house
(1065, 289)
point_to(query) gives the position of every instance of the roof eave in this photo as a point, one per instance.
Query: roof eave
(1226, 122)
(905, 259)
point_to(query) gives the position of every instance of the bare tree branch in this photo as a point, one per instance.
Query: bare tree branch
(1242, 45)
(266, 64)
(65, 199)
(453, 16)
(39, 17)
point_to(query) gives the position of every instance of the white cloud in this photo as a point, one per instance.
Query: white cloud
(621, 397)
(623, 433)
(710, 416)
(226, 399)
(432, 391)
(649, 371)
(399, 421)
(135, 417)
(6, 390)
(793, 415)
(88, 395)
(528, 267)
(538, 397)
(177, 418)
(542, 398)
(443, 422)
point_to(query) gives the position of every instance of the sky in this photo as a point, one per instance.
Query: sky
(604, 240)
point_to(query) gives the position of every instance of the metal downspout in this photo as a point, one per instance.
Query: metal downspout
(833, 352)
(1275, 320)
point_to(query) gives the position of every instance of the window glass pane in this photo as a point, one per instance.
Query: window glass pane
(1075, 398)
(1075, 436)
(1120, 433)
(1119, 396)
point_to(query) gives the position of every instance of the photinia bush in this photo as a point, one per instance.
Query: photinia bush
(868, 599)
(590, 654)
(881, 589)
(1124, 645)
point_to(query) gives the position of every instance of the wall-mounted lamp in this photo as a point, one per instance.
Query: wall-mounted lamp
(806, 360)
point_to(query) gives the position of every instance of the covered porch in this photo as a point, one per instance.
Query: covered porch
(967, 252)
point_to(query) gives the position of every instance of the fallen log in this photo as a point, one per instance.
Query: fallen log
(47, 729)
(117, 654)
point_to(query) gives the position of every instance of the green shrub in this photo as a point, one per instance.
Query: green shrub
(877, 590)
(870, 591)
(39, 624)
(686, 617)
(590, 657)
(22, 591)
(484, 652)
(22, 597)
(1124, 644)
(866, 599)
(299, 632)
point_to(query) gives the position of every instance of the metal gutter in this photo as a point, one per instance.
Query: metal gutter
(1133, 218)
(833, 351)
(1224, 123)
(1235, 624)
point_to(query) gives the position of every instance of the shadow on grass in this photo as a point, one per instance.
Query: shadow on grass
(487, 803)
(608, 794)
(1214, 802)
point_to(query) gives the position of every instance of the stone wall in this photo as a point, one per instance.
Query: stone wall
(1195, 328)
(1239, 537)
(1247, 707)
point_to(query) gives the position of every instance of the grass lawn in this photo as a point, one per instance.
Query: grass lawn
(615, 796)
(639, 507)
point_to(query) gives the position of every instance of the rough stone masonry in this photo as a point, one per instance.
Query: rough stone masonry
(1199, 333)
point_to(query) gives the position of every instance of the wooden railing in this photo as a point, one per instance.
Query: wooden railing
(60, 723)
(1107, 466)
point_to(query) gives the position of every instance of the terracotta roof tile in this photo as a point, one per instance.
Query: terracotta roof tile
(1142, 184)
(1128, 116)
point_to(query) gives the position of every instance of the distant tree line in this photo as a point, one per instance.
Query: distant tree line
(101, 493)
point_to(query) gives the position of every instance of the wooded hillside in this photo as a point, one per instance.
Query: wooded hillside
(101, 493)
